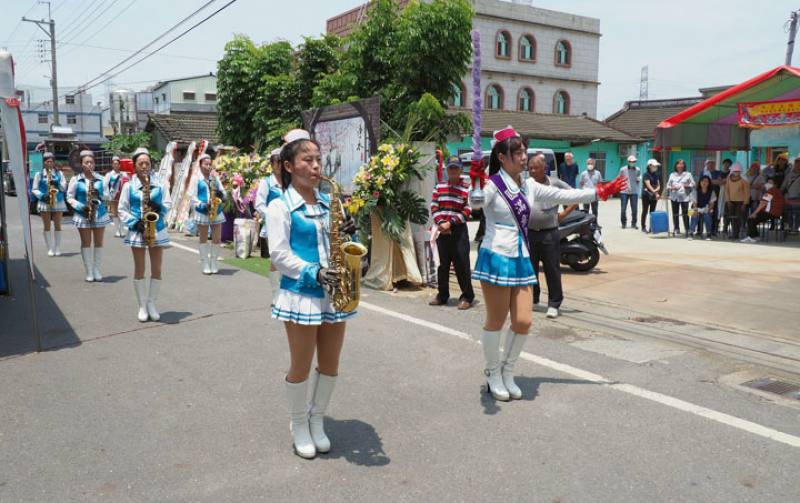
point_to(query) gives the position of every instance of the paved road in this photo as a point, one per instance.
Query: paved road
(192, 409)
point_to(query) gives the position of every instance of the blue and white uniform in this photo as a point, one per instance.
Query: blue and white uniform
(41, 191)
(504, 259)
(201, 199)
(111, 185)
(268, 191)
(77, 195)
(130, 211)
(298, 235)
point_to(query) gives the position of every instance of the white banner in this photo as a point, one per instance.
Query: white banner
(14, 132)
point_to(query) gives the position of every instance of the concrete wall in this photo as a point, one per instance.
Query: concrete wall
(543, 76)
(170, 95)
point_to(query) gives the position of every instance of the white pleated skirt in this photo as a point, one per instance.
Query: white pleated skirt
(134, 239)
(43, 207)
(305, 310)
(201, 219)
(82, 223)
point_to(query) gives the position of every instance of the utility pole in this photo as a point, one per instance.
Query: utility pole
(51, 33)
(792, 34)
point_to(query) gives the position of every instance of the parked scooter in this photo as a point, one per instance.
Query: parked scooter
(581, 241)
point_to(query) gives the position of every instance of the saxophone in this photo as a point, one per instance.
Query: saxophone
(345, 258)
(150, 218)
(92, 200)
(52, 192)
(213, 202)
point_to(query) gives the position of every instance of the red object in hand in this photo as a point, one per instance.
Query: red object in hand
(477, 173)
(615, 186)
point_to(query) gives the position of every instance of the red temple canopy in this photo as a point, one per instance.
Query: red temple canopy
(713, 124)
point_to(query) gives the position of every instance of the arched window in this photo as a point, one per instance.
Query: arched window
(457, 99)
(527, 48)
(525, 100)
(503, 45)
(563, 53)
(494, 97)
(561, 103)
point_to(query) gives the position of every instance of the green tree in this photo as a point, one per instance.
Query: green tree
(125, 144)
(402, 56)
(238, 80)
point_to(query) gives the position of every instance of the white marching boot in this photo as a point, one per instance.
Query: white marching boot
(97, 264)
(119, 233)
(296, 394)
(204, 250)
(321, 390)
(511, 350)
(86, 255)
(49, 243)
(152, 295)
(214, 255)
(57, 250)
(490, 341)
(141, 296)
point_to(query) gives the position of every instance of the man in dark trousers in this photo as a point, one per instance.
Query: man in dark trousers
(450, 211)
(544, 238)
(568, 171)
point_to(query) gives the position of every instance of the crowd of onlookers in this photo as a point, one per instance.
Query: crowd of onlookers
(727, 203)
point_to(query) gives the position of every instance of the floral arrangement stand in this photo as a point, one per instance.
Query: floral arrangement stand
(384, 202)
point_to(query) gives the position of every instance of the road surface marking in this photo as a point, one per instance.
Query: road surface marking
(184, 247)
(669, 401)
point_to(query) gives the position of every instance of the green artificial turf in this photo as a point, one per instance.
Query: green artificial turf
(257, 265)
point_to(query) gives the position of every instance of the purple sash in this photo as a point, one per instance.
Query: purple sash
(517, 203)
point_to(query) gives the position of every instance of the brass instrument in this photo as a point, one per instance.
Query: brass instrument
(92, 200)
(52, 191)
(345, 258)
(150, 218)
(213, 202)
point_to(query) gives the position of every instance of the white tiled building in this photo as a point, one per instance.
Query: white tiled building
(535, 59)
(532, 59)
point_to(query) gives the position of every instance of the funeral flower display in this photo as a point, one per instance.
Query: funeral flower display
(380, 188)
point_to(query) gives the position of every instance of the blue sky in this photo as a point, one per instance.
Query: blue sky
(687, 44)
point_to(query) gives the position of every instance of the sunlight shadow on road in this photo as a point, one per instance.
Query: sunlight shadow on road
(530, 385)
(355, 441)
(174, 317)
(113, 279)
(489, 404)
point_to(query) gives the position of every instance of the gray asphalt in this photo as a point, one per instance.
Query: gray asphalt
(192, 409)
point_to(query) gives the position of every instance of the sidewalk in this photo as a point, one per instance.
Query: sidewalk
(744, 287)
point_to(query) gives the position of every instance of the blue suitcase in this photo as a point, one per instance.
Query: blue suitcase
(659, 222)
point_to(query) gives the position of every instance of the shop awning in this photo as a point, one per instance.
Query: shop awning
(713, 124)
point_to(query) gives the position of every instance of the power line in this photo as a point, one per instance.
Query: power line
(14, 31)
(79, 18)
(80, 31)
(88, 46)
(209, 2)
(109, 22)
(177, 37)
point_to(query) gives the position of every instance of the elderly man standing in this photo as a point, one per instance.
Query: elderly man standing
(568, 170)
(631, 194)
(544, 239)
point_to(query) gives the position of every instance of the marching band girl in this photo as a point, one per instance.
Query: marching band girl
(85, 195)
(209, 188)
(504, 265)
(44, 181)
(132, 210)
(269, 189)
(112, 183)
(298, 229)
